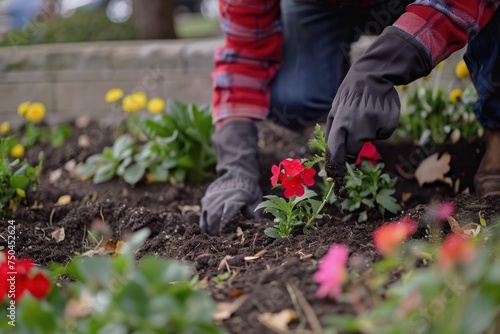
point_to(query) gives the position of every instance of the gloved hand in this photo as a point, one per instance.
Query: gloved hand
(366, 106)
(237, 187)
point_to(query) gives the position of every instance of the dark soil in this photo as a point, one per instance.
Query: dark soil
(171, 213)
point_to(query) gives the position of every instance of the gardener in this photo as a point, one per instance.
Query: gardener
(313, 39)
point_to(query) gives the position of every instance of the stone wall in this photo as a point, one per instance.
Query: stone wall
(72, 79)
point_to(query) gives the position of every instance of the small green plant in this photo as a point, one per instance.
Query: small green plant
(375, 190)
(170, 146)
(221, 278)
(16, 178)
(300, 208)
(114, 294)
(430, 112)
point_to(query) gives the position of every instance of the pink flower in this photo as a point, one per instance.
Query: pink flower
(456, 249)
(388, 237)
(277, 174)
(368, 152)
(332, 272)
(444, 211)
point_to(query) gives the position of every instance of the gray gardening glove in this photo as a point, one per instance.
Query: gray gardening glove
(237, 187)
(366, 106)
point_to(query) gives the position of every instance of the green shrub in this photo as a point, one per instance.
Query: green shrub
(83, 26)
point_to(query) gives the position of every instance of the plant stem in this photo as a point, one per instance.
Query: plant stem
(437, 82)
(321, 206)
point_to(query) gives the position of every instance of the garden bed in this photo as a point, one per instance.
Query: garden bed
(271, 274)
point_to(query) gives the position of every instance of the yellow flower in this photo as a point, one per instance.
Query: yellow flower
(156, 105)
(113, 95)
(4, 128)
(141, 99)
(135, 102)
(17, 151)
(20, 192)
(35, 112)
(461, 70)
(455, 95)
(441, 64)
(23, 108)
(130, 104)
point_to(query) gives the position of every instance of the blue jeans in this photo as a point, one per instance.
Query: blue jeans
(483, 60)
(317, 43)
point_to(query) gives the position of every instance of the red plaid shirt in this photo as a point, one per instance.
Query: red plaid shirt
(252, 53)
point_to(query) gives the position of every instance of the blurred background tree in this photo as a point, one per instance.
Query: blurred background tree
(154, 19)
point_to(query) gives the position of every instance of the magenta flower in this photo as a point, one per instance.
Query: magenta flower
(445, 210)
(332, 272)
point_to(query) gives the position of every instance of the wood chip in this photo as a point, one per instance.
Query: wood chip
(189, 208)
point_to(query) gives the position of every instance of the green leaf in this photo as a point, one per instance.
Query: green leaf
(135, 241)
(272, 232)
(160, 173)
(353, 176)
(319, 141)
(363, 216)
(19, 181)
(37, 316)
(104, 173)
(134, 173)
(122, 147)
(307, 194)
(387, 201)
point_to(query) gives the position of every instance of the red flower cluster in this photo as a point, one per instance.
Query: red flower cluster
(456, 249)
(368, 152)
(293, 176)
(17, 277)
(388, 237)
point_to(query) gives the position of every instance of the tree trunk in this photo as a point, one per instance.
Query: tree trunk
(154, 19)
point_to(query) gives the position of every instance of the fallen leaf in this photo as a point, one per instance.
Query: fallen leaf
(224, 310)
(64, 200)
(223, 264)
(239, 233)
(470, 230)
(58, 235)
(189, 208)
(278, 321)
(405, 197)
(433, 169)
(119, 246)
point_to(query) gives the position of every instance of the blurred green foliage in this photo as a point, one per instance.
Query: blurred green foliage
(83, 26)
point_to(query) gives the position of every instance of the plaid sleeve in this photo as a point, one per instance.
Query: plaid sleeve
(444, 26)
(249, 59)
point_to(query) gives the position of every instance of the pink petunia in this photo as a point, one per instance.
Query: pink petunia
(444, 211)
(332, 272)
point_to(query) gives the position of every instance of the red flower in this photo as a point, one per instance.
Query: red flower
(292, 167)
(456, 249)
(368, 152)
(388, 237)
(276, 170)
(38, 285)
(293, 176)
(293, 187)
